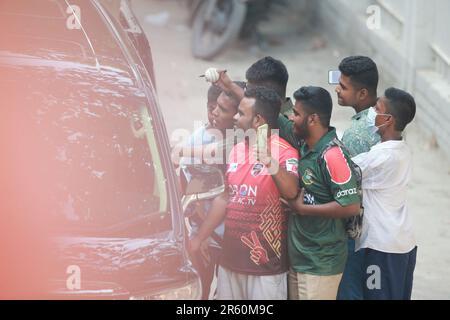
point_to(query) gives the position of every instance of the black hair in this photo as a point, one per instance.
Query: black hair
(316, 100)
(269, 72)
(401, 106)
(213, 93)
(267, 104)
(362, 71)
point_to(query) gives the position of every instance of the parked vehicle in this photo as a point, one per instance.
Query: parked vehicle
(215, 25)
(87, 153)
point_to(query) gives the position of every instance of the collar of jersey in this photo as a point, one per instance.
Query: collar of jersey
(321, 144)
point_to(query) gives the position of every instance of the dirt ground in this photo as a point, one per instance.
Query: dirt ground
(308, 57)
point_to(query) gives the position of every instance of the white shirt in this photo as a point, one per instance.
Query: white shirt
(387, 225)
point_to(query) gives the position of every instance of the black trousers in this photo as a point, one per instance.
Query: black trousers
(389, 276)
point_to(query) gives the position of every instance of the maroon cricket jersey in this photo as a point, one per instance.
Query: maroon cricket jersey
(255, 223)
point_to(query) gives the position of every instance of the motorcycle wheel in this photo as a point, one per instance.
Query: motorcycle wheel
(211, 35)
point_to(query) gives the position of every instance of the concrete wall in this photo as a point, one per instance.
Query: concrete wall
(411, 47)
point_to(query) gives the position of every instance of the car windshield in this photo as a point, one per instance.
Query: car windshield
(89, 136)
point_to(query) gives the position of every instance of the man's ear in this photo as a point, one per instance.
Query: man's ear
(258, 120)
(391, 121)
(312, 119)
(363, 94)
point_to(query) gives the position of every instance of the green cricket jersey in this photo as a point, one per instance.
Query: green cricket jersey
(318, 245)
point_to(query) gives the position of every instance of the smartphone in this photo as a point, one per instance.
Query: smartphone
(261, 138)
(334, 76)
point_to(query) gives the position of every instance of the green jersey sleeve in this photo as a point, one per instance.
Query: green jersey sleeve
(340, 176)
(286, 127)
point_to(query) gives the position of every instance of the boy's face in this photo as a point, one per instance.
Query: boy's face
(383, 119)
(346, 92)
(210, 106)
(245, 117)
(224, 112)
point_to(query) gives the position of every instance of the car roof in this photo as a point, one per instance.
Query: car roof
(48, 30)
(35, 35)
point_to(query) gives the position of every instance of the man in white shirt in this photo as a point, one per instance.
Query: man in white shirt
(387, 235)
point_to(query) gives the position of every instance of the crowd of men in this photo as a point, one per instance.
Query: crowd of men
(289, 217)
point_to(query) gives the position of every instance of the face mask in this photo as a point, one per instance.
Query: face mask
(371, 117)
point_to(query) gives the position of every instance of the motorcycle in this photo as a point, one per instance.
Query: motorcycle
(215, 24)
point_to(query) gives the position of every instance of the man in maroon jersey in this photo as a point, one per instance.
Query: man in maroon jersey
(253, 264)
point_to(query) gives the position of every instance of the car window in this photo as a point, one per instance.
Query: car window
(126, 23)
(102, 161)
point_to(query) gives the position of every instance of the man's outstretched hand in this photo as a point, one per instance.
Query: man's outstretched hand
(221, 79)
(224, 82)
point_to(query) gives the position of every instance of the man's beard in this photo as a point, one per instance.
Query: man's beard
(302, 131)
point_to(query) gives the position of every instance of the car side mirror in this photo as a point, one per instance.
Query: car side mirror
(204, 182)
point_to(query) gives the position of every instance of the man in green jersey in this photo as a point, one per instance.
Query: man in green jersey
(317, 240)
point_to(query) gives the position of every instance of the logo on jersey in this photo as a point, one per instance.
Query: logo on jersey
(292, 165)
(243, 194)
(337, 166)
(308, 177)
(257, 169)
(348, 192)
(309, 198)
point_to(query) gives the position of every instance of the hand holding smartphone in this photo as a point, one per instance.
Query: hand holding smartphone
(261, 141)
(333, 76)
